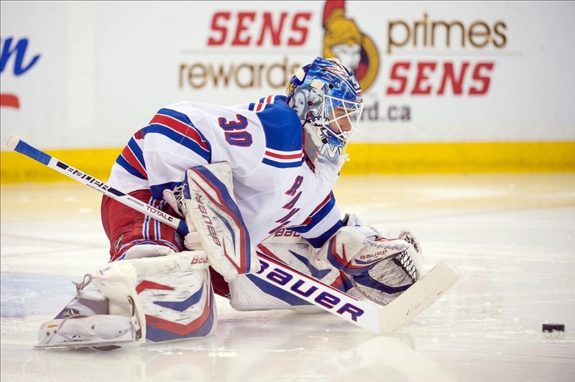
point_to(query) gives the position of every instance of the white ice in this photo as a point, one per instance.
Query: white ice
(512, 237)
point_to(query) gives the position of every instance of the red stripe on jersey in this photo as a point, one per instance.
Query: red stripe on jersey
(133, 161)
(321, 205)
(182, 128)
(139, 134)
(298, 155)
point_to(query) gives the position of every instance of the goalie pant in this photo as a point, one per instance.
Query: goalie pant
(126, 228)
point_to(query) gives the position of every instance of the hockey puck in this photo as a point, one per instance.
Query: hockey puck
(553, 328)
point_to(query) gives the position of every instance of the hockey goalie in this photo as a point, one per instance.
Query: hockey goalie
(249, 178)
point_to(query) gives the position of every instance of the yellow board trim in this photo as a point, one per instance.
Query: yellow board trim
(366, 158)
(474, 157)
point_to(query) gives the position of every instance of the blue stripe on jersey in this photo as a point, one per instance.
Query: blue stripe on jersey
(317, 216)
(281, 126)
(319, 241)
(133, 145)
(177, 115)
(157, 190)
(281, 164)
(128, 167)
(179, 138)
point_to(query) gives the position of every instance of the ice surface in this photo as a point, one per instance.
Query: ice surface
(511, 236)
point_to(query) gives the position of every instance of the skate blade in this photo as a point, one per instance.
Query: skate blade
(92, 345)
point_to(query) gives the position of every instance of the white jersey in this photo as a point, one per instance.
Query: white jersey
(273, 185)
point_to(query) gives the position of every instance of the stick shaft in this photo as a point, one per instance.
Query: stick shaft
(79, 176)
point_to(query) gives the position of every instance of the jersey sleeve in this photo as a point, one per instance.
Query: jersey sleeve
(185, 135)
(322, 223)
(157, 155)
(172, 143)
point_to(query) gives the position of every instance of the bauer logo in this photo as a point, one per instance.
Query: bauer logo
(301, 287)
(208, 224)
(16, 59)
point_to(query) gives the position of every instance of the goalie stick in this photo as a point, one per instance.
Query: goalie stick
(367, 315)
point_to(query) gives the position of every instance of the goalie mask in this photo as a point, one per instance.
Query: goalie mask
(327, 99)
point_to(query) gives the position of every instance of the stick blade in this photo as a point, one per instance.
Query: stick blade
(417, 298)
(13, 142)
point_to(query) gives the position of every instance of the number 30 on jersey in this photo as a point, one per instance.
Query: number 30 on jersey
(235, 131)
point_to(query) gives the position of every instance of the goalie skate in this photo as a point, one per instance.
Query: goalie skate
(86, 322)
(100, 332)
